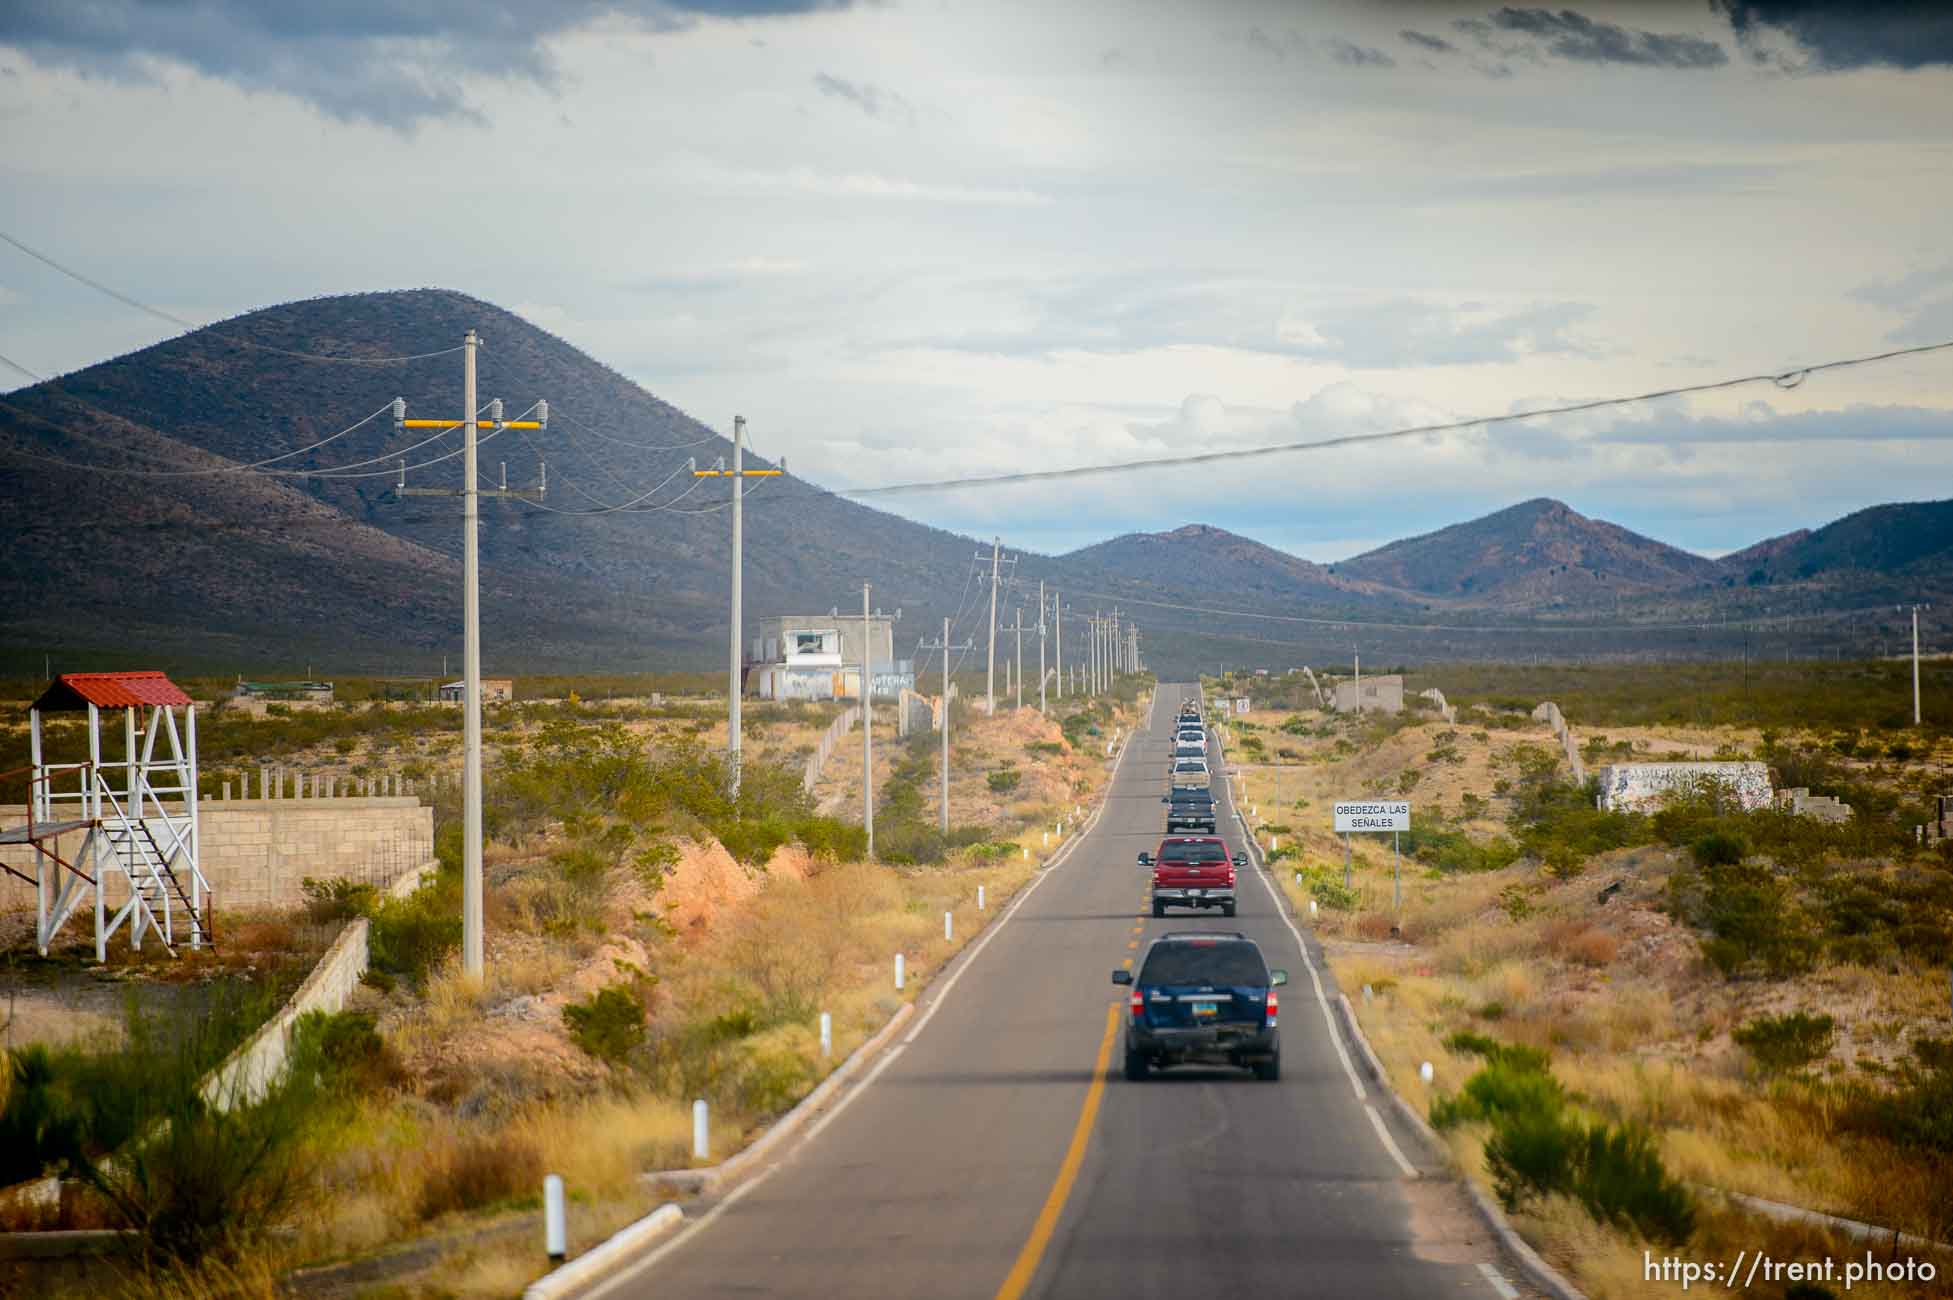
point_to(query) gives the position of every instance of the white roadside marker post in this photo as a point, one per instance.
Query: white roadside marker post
(1426, 1073)
(827, 1034)
(979, 898)
(701, 1131)
(949, 930)
(898, 972)
(555, 1238)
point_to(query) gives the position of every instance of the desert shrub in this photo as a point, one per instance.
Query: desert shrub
(1918, 1113)
(412, 935)
(1786, 1042)
(1452, 851)
(478, 1171)
(1004, 780)
(337, 899)
(39, 1127)
(1328, 891)
(1751, 915)
(1044, 747)
(1538, 1148)
(1719, 849)
(609, 1024)
(1619, 1178)
(345, 1054)
(832, 840)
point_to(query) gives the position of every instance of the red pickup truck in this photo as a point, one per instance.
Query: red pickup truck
(1193, 871)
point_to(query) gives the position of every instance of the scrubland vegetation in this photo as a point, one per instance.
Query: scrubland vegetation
(1628, 1011)
(651, 940)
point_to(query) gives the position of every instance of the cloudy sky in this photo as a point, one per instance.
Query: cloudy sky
(916, 239)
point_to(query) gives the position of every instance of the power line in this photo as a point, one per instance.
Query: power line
(11, 364)
(639, 446)
(173, 319)
(1783, 379)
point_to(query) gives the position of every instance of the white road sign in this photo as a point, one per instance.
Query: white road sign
(1357, 817)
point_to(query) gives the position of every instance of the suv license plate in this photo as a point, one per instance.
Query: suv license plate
(1205, 1009)
(1195, 893)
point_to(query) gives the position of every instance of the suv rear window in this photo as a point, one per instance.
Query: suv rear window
(1221, 962)
(1195, 852)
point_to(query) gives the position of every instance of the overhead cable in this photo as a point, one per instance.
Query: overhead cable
(1782, 379)
(174, 319)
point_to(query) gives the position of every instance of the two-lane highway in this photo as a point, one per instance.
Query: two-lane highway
(994, 1150)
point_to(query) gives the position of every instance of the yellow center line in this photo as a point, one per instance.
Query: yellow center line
(1132, 946)
(1127, 963)
(1028, 1258)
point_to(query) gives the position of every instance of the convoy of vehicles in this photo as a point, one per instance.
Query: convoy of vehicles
(1203, 998)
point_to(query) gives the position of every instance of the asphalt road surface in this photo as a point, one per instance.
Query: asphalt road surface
(995, 1151)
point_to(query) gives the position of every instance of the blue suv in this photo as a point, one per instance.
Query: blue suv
(1203, 997)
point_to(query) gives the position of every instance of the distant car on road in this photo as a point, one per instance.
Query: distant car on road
(1193, 871)
(1188, 771)
(1203, 998)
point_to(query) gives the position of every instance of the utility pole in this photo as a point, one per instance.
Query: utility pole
(1092, 659)
(944, 646)
(1058, 628)
(1019, 629)
(1915, 662)
(735, 674)
(470, 493)
(1041, 708)
(867, 722)
(990, 668)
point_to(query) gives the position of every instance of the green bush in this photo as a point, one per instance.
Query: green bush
(1787, 1042)
(338, 899)
(1620, 1179)
(344, 1053)
(1537, 1148)
(609, 1024)
(412, 935)
(1919, 1112)
(1004, 780)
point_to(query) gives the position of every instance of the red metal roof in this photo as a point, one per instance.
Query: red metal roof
(74, 691)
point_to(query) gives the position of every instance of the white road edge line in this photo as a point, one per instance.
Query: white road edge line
(1389, 1143)
(1322, 1000)
(1505, 1289)
(678, 1239)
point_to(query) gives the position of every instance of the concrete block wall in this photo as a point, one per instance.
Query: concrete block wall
(257, 852)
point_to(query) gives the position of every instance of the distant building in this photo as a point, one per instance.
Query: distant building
(307, 692)
(1381, 694)
(494, 690)
(819, 657)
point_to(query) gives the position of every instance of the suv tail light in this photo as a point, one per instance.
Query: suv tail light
(1138, 1004)
(1273, 1006)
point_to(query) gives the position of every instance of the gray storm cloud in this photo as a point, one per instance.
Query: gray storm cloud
(392, 64)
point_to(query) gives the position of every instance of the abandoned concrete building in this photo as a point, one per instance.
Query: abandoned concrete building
(819, 657)
(1383, 694)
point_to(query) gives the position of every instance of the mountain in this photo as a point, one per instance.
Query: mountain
(147, 547)
(133, 534)
(1538, 554)
(1907, 540)
(1214, 559)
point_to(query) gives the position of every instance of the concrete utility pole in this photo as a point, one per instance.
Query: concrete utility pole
(1058, 630)
(867, 722)
(735, 671)
(1915, 662)
(1041, 708)
(735, 674)
(1018, 628)
(471, 886)
(944, 646)
(990, 669)
(470, 493)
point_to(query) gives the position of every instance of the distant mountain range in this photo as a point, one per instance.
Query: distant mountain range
(129, 536)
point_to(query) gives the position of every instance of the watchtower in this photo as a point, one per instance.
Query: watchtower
(136, 818)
